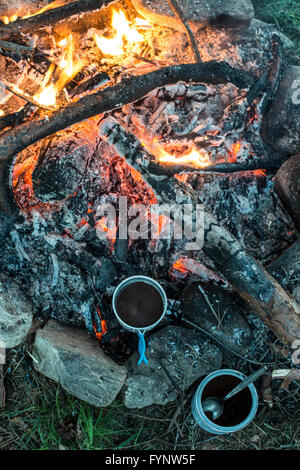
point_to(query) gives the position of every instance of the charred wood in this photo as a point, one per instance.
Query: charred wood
(90, 84)
(55, 15)
(180, 16)
(15, 119)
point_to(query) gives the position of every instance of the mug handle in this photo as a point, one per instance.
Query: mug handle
(142, 348)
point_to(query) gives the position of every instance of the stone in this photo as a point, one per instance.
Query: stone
(200, 12)
(287, 186)
(281, 125)
(230, 327)
(75, 360)
(257, 25)
(16, 313)
(186, 356)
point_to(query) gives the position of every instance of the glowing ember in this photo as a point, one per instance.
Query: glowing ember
(103, 323)
(234, 152)
(69, 68)
(126, 35)
(1, 113)
(110, 232)
(260, 173)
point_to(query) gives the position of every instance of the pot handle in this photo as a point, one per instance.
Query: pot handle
(142, 349)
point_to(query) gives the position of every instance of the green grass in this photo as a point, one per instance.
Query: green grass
(48, 418)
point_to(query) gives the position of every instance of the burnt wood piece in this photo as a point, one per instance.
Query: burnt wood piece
(90, 84)
(15, 119)
(54, 16)
(281, 125)
(258, 164)
(254, 284)
(287, 186)
(274, 76)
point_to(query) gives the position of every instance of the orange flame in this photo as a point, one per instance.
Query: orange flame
(126, 35)
(195, 158)
(48, 95)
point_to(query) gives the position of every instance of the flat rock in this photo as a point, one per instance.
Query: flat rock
(287, 186)
(15, 313)
(75, 360)
(281, 126)
(227, 324)
(201, 12)
(185, 355)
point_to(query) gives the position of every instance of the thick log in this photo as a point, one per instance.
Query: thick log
(55, 15)
(274, 306)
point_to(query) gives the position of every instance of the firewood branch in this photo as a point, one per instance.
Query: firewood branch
(179, 15)
(55, 15)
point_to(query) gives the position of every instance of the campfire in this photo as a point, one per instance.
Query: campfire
(109, 103)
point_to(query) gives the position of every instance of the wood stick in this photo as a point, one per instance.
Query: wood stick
(11, 46)
(55, 15)
(20, 94)
(180, 16)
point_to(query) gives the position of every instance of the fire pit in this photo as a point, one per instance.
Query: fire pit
(136, 140)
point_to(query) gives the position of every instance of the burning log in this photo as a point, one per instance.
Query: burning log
(275, 307)
(128, 91)
(55, 15)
